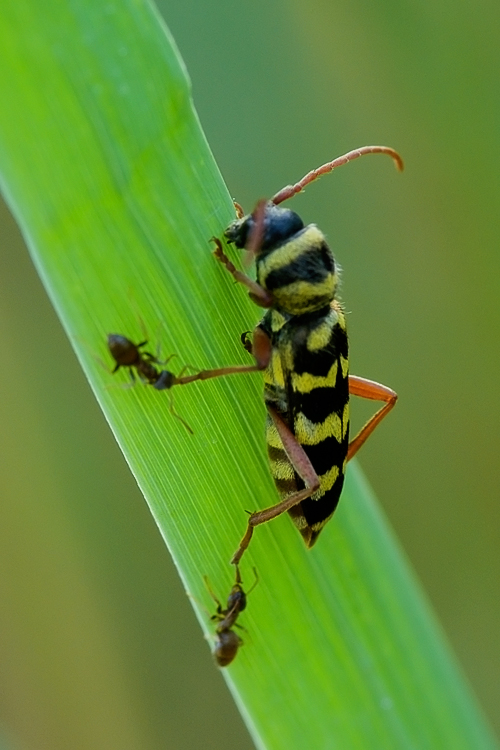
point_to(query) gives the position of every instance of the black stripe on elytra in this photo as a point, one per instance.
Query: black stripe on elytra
(321, 402)
(312, 265)
(276, 454)
(316, 511)
(318, 362)
(326, 454)
(286, 486)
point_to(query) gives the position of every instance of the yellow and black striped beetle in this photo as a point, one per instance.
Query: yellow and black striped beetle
(301, 344)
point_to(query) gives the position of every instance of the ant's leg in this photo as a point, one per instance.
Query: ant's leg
(132, 376)
(157, 358)
(131, 384)
(178, 416)
(304, 468)
(147, 356)
(219, 605)
(376, 392)
(254, 584)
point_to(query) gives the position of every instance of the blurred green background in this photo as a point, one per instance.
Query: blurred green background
(93, 654)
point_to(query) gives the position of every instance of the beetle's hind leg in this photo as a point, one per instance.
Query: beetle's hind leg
(376, 392)
(304, 468)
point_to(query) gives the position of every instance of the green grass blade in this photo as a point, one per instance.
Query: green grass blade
(108, 173)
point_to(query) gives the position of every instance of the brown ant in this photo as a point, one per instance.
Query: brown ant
(129, 355)
(227, 642)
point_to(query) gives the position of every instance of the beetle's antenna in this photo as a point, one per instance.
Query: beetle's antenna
(290, 190)
(254, 241)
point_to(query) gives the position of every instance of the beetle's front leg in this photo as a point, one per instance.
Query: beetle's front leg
(258, 295)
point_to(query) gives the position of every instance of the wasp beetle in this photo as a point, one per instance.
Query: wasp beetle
(301, 345)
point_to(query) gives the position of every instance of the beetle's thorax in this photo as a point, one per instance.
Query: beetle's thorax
(300, 273)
